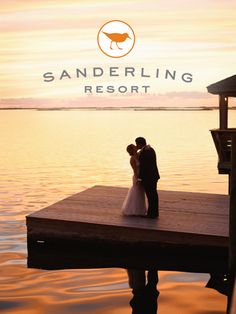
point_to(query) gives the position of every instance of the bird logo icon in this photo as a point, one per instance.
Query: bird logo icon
(116, 39)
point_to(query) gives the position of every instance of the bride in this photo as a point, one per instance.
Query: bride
(135, 202)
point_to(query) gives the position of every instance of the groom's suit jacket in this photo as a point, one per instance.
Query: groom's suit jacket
(148, 170)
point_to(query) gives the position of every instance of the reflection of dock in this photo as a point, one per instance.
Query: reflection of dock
(191, 233)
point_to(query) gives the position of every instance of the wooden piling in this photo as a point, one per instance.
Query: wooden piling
(232, 219)
(223, 105)
(233, 306)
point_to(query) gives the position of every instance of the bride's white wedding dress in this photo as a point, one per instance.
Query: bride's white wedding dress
(135, 202)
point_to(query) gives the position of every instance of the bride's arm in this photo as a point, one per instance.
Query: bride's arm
(134, 166)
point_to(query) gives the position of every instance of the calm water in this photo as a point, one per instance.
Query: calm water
(48, 155)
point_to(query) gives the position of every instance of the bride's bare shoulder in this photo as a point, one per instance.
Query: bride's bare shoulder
(132, 159)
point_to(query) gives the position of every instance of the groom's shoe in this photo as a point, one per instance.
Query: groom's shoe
(155, 215)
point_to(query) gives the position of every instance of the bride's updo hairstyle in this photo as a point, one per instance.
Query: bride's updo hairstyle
(131, 149)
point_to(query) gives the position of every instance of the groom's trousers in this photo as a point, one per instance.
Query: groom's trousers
(150, 188)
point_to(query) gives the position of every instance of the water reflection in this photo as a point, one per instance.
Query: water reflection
(142, 278)
(144, 290)
(39, 167)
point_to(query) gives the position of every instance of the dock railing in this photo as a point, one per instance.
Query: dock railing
(223, 143)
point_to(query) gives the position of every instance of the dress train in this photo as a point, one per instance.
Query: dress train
(135, 203)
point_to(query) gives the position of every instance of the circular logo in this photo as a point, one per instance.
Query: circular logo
(116, 39)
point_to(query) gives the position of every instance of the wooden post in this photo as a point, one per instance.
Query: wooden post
(223, 104)
(232, 216)
(233, 305)
(232, 220)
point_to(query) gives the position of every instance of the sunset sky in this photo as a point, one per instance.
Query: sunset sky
(197, 37)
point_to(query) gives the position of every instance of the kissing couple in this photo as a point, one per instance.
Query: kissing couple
(145, 177)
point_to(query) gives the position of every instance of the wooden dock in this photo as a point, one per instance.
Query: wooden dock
(191, 233)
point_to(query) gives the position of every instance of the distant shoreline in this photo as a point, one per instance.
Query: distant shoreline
(119, 108)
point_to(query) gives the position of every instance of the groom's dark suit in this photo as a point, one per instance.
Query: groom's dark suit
(149, 174)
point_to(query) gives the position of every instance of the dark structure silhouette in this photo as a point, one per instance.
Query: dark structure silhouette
(225, 142)
(223, 135)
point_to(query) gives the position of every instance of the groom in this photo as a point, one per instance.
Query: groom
(148, 175)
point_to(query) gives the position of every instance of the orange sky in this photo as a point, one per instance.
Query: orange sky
(186, 36)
